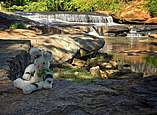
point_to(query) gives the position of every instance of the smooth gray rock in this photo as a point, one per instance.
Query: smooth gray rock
(101, 97)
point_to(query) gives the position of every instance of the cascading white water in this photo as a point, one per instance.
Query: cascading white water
(69, 18)
(133, 33)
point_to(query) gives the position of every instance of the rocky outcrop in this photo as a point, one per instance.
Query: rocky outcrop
(118, 30)
(151, 21)
(153, 35)
(134, 13)
(101, 97)
(63, 46)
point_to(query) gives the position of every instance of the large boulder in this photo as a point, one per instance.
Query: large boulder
(64, 47)
(134, 13)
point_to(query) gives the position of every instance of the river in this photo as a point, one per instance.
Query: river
(136, 52)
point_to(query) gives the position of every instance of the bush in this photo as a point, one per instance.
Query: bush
(151, 60)
(111, 5)
(31, 7)
(92, 5)
(36, 7)
(17, 26)
(68, 5)
(152, 7)
(17, 8)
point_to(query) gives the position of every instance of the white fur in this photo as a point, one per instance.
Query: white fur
(25, 83)
(29, 69)
(28, 88)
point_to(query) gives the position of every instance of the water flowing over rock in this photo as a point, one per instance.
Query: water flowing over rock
(6, 19)
(51, 18)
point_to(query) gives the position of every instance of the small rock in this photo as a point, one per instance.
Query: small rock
(76, 73)
(114, 64)
(110, 72)
(109, 66)
(104, 74)
(153, 35)
(78, 62)
(95, 71)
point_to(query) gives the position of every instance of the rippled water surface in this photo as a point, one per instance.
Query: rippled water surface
(140, 53)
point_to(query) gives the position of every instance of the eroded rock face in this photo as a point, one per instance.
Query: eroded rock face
(65, 47)
(134, 12)
(105, 97)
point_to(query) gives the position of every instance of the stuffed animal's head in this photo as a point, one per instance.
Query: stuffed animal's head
(40, 58)
(35, 53)
(40, 63)
(43, 62)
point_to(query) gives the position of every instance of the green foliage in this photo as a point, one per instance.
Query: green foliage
(92, 5)
(151, 60)
(152, 7)
(36, 6)
(82, 5)
(17, 26)
(17, 8)
(30, 7)
(55, 5)
(64, 5)
(74, 74)
(113, 5)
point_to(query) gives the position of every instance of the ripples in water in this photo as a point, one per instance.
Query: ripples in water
(137, 52)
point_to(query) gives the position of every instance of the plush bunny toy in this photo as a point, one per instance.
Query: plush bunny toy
(38, 74)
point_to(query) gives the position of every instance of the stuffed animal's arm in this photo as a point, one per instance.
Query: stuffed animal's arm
(29, 71)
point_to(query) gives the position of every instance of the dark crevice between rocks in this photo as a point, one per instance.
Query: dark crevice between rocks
(14, 57)
(18, 64)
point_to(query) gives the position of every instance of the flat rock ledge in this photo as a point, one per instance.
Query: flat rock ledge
(101, 97)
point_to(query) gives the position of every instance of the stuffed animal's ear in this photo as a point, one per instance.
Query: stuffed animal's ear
(35, 52)
(48, 56)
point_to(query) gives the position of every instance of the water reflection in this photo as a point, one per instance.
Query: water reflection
(140, 55)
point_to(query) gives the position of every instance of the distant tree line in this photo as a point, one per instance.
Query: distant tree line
(151, 5)
(62, 5)
(73, 5)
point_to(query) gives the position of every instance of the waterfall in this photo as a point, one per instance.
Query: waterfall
(69, 18)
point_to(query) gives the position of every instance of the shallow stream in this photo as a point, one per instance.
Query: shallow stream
(140, 54)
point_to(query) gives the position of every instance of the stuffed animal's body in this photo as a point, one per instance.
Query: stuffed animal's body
(37, 75)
